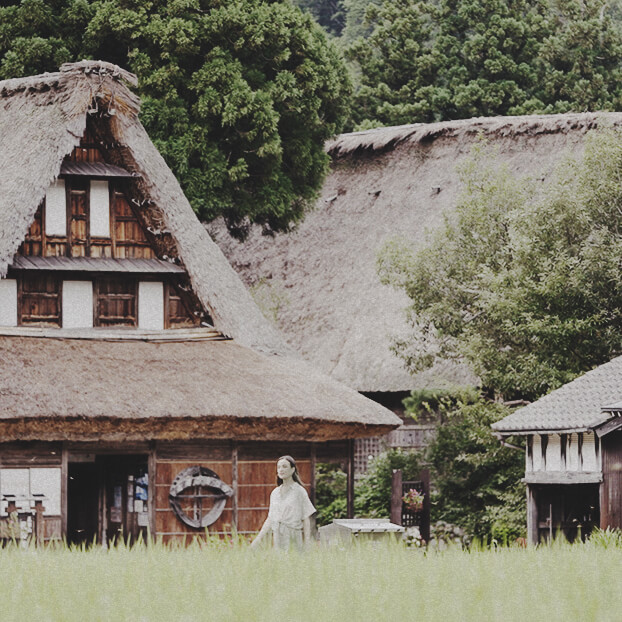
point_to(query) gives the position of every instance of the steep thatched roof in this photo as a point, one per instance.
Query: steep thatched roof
(91, 389)
(575, 407)
(383, 183)
(42, 119)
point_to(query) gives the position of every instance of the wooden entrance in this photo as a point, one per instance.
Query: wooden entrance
(107, 499)
(571, 510)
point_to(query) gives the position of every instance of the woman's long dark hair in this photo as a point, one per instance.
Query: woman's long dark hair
(295, 476)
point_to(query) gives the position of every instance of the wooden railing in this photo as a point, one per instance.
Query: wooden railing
(14, 526)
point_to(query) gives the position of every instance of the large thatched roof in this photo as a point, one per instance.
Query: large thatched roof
(92, 389)
(42, 119)
(94, 384)
(383, 183)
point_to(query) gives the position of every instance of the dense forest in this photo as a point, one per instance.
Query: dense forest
(432, 60)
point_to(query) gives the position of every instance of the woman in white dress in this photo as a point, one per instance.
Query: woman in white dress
(290, 510)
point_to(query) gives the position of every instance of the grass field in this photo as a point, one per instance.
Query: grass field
(580, 582)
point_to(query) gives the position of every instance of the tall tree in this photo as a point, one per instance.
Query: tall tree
(329, 14)
(525, 286)
(429, 60)
(239, 96)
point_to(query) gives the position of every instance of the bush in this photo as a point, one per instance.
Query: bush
(331, 487)
(373, 492)
(477, 479)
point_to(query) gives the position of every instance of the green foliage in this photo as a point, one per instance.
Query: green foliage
(476, 479)
(378, 582)
(373, 492)
(331, 485)
(430, 60)
(239, 96)
(426, 403)
(330, 14)
(524, 284)
(605, 539)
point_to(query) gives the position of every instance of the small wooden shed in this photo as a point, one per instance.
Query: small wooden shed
(141, 389)
(573, 467)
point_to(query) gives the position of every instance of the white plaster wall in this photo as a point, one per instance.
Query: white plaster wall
(56, 209)
(590, 461)
(151, 305)
(572, 453)
(8, 302)
(537, 453)
(77, 304)
(100, 209)
(554, 453)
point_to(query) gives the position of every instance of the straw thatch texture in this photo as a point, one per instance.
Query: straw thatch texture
(42, 118)
(97, 390)
(384, 183)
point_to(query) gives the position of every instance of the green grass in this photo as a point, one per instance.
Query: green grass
(385, 583)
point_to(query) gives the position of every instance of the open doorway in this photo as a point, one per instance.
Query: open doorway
(571, 510)
(82, 503)
(107, 499)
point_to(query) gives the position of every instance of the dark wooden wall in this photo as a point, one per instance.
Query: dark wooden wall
(611, 488)
(248, 467)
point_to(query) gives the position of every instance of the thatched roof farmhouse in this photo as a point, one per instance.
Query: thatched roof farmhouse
(134, 364)
(320, 281)
(383, 183)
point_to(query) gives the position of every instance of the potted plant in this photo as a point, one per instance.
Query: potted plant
(413, 500)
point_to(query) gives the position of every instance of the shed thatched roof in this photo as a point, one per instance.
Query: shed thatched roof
(384, 183)
(575, 407)
(42, 119)
(91, 389)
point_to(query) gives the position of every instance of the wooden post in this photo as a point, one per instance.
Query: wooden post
(396, 497)
(532, 517)
(64, 483)
(39, 527)
(151, 490)
(234, 485)
(350, 473)
(424, 527)
(313, 464)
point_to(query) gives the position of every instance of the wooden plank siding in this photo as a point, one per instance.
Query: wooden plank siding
(114, 298)
(127, 239)
(611, 488)
(249, 468)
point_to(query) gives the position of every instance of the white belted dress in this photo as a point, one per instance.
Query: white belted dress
(289, 507)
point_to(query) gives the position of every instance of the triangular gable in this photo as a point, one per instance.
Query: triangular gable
(44, 117)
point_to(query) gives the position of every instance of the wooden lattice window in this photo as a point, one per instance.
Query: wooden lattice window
(39, 299)
(78, 197)
(116, 302)
(130, 239)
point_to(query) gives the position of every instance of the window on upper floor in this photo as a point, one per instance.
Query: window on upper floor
(50, 299)
(86, 217)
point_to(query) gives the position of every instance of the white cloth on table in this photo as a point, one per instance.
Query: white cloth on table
(289, 506)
